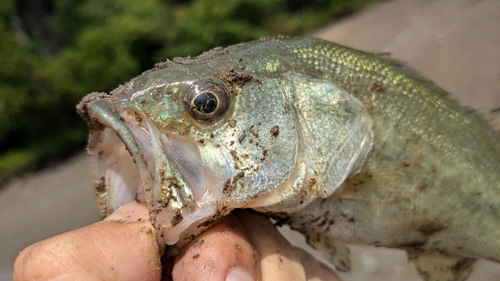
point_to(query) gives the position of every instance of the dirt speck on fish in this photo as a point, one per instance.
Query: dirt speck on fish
(344, 146)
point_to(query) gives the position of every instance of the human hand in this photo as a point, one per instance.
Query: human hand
(245, 246)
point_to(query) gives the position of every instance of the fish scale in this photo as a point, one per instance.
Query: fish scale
(342, 145)
(450, 178)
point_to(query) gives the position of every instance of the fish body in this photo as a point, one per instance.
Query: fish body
(345, 146)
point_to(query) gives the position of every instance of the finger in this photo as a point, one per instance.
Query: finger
(315, 270)
(220, 253)
(279, 260)
(115, 249)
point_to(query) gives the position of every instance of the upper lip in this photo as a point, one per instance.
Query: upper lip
(101, 111)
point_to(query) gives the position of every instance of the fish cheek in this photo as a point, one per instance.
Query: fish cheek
(262, 143)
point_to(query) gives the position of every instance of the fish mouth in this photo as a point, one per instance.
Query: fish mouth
(133, 160)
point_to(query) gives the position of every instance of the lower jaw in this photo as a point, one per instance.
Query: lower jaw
(125, 160)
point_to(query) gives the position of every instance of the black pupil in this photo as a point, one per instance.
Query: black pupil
(205, 102)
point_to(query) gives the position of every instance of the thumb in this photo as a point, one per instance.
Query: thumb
(123, 247)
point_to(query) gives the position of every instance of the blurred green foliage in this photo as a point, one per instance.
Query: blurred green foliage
(53, 52)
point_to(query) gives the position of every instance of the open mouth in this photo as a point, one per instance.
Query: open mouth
(134, 160)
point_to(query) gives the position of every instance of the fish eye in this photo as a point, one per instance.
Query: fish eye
(207, 100)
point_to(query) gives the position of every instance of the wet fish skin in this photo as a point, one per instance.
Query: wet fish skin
(430, 183)
(265, 151)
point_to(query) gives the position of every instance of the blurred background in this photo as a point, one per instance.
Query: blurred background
(53, 52)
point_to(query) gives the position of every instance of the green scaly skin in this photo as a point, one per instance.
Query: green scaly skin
(430, 183)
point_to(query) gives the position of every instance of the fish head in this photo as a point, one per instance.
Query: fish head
(196, 138)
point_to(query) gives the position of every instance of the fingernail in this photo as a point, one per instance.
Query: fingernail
(237, 273)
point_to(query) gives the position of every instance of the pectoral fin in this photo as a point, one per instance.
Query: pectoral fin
(436, 267)
(336, 252)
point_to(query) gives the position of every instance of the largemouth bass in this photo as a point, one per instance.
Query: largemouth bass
(342, 145)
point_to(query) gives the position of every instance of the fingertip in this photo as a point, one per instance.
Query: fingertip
(279, 261)
(129, 251)
(220, 253)
(22, 264)
(107, 250)
(130, 212)
(239, 274)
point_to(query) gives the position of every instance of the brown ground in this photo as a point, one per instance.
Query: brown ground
(456, 43)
